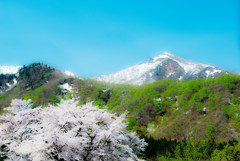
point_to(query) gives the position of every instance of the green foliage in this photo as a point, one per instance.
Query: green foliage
(229, 152)
(229, 80)
(151, 126)
(217, 97)
(188, 97)
(176, 112)
(68, 95)
(236, 101)
(26, 97)
(202, 149)
(40, 89)
(54, 99)
(132, 121)
(200, 105)
(232, 111)
(1, 97)
(210, 130)
(181, 102)
(99, 103)
(211, 105)
(158, 105)
(171, 92)
(80, 103)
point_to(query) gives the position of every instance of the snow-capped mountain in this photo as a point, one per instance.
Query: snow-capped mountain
(9, 69)
(163, 66)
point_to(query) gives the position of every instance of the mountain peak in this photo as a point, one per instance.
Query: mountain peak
(163, 55)
(167, 53)
(163, 66)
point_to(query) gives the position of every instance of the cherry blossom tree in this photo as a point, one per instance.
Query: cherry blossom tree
(66, 132)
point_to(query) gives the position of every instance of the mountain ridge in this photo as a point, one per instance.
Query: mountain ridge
(160, 67)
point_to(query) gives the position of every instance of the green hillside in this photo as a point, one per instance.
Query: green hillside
(195, 120)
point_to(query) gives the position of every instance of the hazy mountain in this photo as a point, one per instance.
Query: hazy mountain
(163, 66)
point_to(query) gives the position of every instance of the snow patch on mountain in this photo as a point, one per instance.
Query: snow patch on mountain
(169, 74)
(212, 72)
(68, 73)
(9, 69)
(10, 86)
(71, 74)
(66, 87)
(187, 65)
(14, 81)
(161, 56)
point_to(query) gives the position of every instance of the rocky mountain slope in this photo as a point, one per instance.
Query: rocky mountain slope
(7, 82)
(8, 78)
(163, 66)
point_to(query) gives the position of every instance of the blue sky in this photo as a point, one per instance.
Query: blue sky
(99, 37)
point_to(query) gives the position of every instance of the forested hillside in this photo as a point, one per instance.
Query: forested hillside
(190, 120)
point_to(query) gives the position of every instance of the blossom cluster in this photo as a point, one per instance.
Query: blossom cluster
(66, 132)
